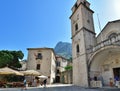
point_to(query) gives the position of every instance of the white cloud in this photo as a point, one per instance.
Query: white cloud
(113, 8)
(116, 7)
(108, 10)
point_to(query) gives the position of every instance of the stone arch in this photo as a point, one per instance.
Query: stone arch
(103, 61)
(100, 50)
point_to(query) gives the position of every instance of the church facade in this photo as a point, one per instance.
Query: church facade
(93, 56)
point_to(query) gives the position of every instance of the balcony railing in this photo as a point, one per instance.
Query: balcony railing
(111, 41)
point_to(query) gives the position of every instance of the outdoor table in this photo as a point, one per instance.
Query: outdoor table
(15, 84)
(9, 84)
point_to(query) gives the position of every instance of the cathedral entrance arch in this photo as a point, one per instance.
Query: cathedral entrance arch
(104, 63)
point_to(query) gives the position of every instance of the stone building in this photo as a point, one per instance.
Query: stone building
(43, 61)
(23, 64)
(61, 63)
(93, 56)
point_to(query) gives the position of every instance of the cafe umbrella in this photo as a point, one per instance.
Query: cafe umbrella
(9, 71)
(30, 73)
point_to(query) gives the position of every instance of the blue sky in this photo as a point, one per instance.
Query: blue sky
(42, 23)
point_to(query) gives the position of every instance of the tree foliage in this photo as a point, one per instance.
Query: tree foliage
(70, 59)
(10, 58)
(68, 67)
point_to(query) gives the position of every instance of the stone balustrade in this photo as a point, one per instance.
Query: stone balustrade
(95, 84)
(111, 41)
(98, 84)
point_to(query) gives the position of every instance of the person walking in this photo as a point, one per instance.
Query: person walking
(24, 82)
(45, 82)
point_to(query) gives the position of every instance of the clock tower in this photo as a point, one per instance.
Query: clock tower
(83, 37)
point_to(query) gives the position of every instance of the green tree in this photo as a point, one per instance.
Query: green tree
(68, 67)
(10, 58)
(70, 59)
(5, 58)
(68, 71)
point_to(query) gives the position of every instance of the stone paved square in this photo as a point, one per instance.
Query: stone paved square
(61, 88)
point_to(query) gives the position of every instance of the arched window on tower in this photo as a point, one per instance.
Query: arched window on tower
(84, 3)
(76, 27)
(76, 6)
(77, 49)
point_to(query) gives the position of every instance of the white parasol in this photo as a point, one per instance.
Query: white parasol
(42, 76)
(9, 71)
(30, 73)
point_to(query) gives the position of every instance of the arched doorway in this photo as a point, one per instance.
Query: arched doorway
(57, 79)
(105, 63)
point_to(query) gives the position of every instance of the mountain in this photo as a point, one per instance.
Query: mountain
(63, 49)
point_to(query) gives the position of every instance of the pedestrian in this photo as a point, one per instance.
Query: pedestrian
(95, 78)
(100, 78)
(45, 82)
(111, 82)
(24, 82)
(116, 81)
(34, 82)
(38, 82)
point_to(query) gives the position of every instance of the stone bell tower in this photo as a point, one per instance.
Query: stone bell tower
(83, 37)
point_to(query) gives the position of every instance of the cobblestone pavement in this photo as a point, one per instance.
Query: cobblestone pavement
(61, 88)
